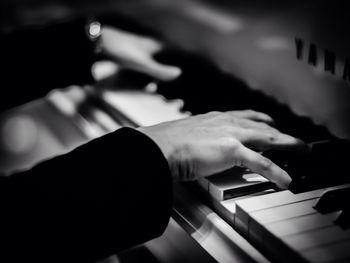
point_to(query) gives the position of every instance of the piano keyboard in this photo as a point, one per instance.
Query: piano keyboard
(233, 183)
(290, 227)
(285, 226)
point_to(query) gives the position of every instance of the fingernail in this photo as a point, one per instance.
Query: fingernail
(175, 72)
(285, 181)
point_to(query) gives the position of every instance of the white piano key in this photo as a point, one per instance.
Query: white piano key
(228, 207)
(245, 207)
(276, 199)
(328, 253)
(291, 245)
(236, 183)
(281, 198)
(230, 204)
(317, 237)
(284, 212)
(272, 245)
(301, 224)
(257, 231)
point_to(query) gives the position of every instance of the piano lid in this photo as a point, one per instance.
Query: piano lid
(295, 51)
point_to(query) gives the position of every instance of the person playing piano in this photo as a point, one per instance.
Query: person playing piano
(116, 191)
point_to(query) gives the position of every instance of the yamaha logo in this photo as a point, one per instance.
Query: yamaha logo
(312, 54)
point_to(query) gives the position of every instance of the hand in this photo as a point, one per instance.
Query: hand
(136, 52)
(211, 143)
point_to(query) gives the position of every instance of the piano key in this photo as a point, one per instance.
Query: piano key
(316, 237)
(257, 231)
(284, 212)
(304, 168)
(230, 204)
(276, 199)
(328, 253)
(272, 245)
(246, 206)
(280, 203)
(333, 200)
(249, 205)
(234, 183)
(271, 238)
(227, 208)
(301, 224)
(344, 219)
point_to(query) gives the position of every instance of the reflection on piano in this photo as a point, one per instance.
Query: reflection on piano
(241, 55)
(247, 58)
(307, 223)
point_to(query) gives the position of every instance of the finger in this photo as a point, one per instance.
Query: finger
(251, 124)
(253, 115)
(263, 166)
(151, 46)
(157, 70)
(270, 139)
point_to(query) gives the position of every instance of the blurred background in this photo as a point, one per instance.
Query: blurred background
(227, 50)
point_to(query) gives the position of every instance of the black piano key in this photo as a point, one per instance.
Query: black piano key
(344, 219)
(333, 200)
(325, 165)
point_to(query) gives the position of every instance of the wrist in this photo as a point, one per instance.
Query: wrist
(173, 155)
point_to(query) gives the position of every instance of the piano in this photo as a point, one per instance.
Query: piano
(289, 60)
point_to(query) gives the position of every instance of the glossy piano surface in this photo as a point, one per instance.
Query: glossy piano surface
(280, 227)
(244, 55)
(273, 221)
(257, 41)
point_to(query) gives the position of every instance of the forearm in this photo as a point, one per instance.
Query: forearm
(110, 194)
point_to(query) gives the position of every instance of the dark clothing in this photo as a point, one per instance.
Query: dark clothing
(107, 195)
(34, 61)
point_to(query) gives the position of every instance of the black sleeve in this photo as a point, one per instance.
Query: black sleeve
(34, 61)
(110, 194)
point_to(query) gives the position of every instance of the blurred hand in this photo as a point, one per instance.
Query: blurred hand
(136, 52)
(210, 143)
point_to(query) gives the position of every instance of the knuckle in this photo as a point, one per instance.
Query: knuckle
(234, 144)
(265, 126)
(247, 133)
(265, 164)
(226, 115)
(213, 113)
(224, 118)
(227, 130)
(251, 112)
(229, 142)
(272, 138)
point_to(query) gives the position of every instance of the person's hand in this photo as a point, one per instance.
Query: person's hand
(207, 144)
(136, 53)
